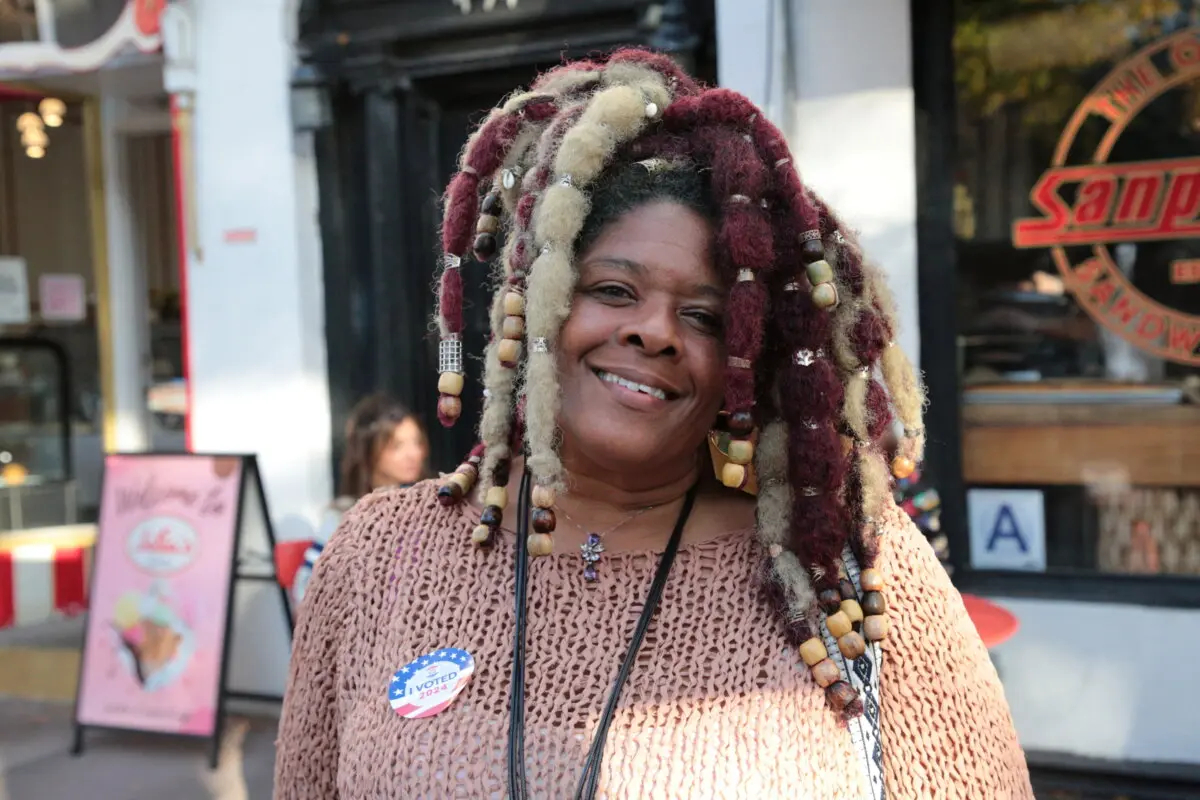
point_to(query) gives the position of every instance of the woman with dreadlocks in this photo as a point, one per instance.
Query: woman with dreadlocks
(585, 607)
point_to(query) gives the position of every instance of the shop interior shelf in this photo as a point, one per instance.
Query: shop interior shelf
(1081, 444)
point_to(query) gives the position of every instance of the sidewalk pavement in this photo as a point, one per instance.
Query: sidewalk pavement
(36, 762)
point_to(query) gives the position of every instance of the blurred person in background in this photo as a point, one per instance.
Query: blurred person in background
(386, 445)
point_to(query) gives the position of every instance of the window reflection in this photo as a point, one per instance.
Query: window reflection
(1077, 217)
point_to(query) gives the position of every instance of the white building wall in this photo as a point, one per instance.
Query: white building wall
(256, 334)
(849, 119)
(842, 92)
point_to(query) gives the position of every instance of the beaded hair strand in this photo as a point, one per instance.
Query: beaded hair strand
(807, 326)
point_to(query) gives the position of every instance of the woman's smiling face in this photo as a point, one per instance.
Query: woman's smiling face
(641, 356)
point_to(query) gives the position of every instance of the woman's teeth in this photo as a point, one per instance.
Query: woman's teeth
(632, 385)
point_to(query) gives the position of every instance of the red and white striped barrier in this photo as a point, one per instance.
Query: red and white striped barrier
(44, 575)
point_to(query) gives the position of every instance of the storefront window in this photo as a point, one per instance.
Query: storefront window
(1077, 222)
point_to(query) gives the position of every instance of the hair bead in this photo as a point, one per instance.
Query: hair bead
(830, 601)
(825, 295)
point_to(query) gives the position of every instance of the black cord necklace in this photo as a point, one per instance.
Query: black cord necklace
(590, 779)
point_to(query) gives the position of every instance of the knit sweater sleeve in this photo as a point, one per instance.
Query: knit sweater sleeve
(307, 745)
(947, 728)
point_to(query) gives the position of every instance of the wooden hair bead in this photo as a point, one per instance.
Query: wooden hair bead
(514, 327)
(903, 467)
(464, 477)
(543, 497)
(852, 645)
(871, 580)
(874, 603)
(450, 406)
(825, 295)
(838, 624)
(840, 695)
(450, 383)
(819, 272)
(492, 516)
(487, 224)
(741, 451)
(485, 246)
(509, 352)
(540, 544)
(482, 535)
(741, 423)
(811, 250)
(491, 204)
(449, 493)
(543, 520)
(733, 475)
(846, 589)
(514, 304)
(875, 628)
(826, 673)
(853, 610)
(813, 651)
(497, 496)
(830, 601)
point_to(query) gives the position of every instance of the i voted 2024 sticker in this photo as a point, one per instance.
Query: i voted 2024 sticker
(426, 686)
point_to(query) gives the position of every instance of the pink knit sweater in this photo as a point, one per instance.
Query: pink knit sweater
(718, 706)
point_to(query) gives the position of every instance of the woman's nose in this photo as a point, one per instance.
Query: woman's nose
(655, 331)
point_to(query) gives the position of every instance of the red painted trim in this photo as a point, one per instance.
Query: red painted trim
(70, 596)
(7, 608)
(184, 245)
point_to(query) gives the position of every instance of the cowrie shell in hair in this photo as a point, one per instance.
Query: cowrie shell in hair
(651, 110)
(508, 179)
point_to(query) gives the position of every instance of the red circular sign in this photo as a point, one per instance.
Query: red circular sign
(1109, 203)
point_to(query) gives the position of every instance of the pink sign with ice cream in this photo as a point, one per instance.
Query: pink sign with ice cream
(164, 564)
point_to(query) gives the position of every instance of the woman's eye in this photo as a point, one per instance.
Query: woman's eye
(706, 320)
(610, 291)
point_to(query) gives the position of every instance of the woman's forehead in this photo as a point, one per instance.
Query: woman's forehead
(662, 240)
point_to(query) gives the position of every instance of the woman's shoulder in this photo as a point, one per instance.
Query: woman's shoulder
(905, 553)
(375, 522)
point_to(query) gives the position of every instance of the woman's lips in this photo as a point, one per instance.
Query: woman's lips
(633, 394)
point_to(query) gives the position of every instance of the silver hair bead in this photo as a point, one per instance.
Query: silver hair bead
(745, 275)
(804, 358)
(782, 162)
(539, 345)
(450, 354)
(811, 424)
(791, 286)
(451, 261)
(545, 248)
(810, 491)
(738, 198)
(566, 180)
(864, 372)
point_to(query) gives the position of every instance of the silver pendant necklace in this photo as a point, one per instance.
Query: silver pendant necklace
(593, 546)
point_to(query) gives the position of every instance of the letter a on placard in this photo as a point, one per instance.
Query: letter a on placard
(1006, 527)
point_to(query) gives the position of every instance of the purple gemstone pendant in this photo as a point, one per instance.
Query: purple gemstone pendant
(591, 550)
